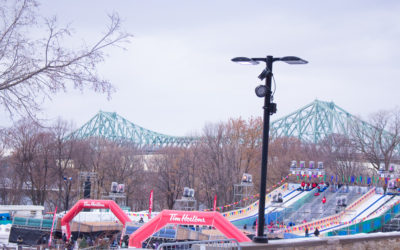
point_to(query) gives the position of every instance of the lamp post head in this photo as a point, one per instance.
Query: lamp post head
(293, 60)
(244, 61)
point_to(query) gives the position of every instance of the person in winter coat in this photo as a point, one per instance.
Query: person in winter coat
(316, 232)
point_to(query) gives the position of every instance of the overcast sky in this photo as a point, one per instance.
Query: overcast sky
(176, 74)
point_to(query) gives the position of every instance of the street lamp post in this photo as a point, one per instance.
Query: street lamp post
(68, 183)
(269, 109)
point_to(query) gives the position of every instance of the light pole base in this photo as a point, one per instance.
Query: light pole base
(260, 239)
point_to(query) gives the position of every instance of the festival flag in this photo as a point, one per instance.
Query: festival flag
(215, 203)
(52, 226)
(150, 203)
(122, 236)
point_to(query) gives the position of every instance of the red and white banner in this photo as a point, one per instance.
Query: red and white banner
(81, 204)
(166, 217)
(52, 226)
(150, 203)
(215, 203)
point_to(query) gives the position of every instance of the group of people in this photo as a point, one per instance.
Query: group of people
(316, 232)
(309, 186)
(277, 198)
(87, 241)
(270, 226)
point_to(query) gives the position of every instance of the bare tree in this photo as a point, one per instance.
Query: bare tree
(20, 140)
(31, 69)
(341, 157)
(124, 165)
(214, 177)
(32, 158)
(97, 154)
(10, 183)
(226, 152)
(379, 141)
(65, 173)
(169, 169)
(281, 152)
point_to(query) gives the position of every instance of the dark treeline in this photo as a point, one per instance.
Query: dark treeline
(40, 167)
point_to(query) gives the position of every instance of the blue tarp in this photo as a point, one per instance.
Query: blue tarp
(163, 233)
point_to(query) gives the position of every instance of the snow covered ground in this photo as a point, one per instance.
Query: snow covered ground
(4, 233)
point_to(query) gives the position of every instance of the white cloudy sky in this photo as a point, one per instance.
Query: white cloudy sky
(176, 74)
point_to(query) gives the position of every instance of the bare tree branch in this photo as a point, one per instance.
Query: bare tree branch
(380, 141)
(31, 70)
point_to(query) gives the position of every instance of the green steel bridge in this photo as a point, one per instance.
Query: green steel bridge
(315, 121)
(311, 123)
(319, 119)
(113, 127)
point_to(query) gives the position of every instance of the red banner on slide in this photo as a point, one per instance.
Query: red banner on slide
(150, 203)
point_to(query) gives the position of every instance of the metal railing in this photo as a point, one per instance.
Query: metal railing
(98, 247)
(344, 231)
(198, 245)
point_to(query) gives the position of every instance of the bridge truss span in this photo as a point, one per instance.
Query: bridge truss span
(111, 126)
(319, 119)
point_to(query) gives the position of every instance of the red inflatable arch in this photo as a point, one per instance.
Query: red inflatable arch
(186, 218)
(98, 204)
